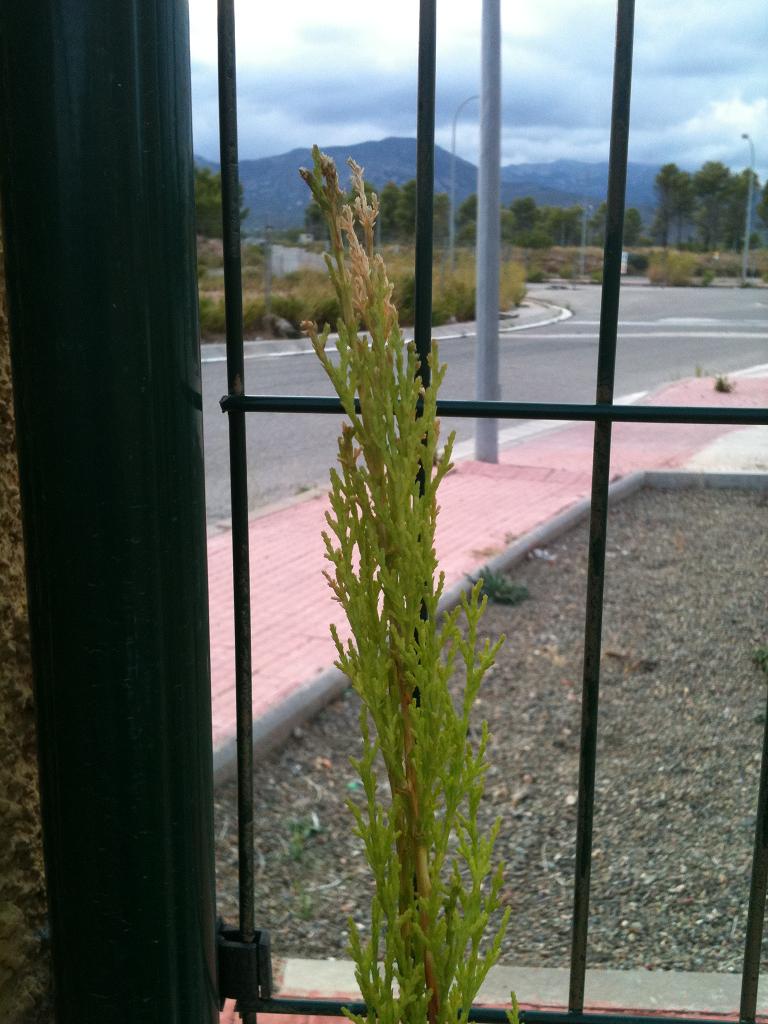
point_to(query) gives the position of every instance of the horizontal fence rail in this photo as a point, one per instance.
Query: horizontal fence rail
(471, 409)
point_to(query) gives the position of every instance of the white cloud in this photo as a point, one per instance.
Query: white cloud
(349, 73)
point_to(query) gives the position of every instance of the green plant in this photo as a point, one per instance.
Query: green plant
(434, 885)
(672, 268)
(212, 318)
(500, 589)
(760, 658)
(723, 383)
(300, 830)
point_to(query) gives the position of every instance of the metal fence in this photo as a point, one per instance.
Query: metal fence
(251, 983)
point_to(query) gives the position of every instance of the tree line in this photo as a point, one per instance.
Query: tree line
(703, 209)
(706, 208)
(523, 221)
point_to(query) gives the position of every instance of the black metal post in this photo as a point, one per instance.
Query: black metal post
(601, 469)
(425, 185)
(97, 189)
(238, 464)
(753, 939)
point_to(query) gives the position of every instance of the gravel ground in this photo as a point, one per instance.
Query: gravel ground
(681, 720)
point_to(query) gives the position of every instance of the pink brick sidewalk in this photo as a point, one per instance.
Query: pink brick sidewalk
(484, 507)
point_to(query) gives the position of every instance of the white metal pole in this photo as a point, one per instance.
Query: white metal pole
(488, 231)
(452, 212)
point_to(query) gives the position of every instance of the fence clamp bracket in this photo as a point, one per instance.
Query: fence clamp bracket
(245, 968)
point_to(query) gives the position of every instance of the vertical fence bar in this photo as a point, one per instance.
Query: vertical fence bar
(97, 180)
(238, 465)
(757, 892)
(601, 464)
(425, 185)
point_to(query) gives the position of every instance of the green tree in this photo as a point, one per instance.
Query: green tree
(406, 212)
(563, 224)
(507, 226)
(734, 217)
(670, 187)
(762, 206)
(596, 225)
(466, 220)
(388, 205)
(683, 203)
(712, 186)
(441, 216)
(524, 213)
(633, 226)
(208, 214)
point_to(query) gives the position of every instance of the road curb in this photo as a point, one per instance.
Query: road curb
(634, 990)
(283, 347)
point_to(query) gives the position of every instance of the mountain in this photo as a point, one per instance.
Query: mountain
(275, 194)
(567, 182)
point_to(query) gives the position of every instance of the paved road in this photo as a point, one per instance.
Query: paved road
(664, 335)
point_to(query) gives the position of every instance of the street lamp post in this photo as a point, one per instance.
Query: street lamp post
(748, 224)
(452, 212)
(585, 210)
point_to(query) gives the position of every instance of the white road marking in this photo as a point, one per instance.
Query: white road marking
(570, 336)
(760, 370)
(657, 334)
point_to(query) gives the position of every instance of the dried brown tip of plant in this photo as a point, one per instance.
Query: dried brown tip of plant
(329, 172)
(367, 210)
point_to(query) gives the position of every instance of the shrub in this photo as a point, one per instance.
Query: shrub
(637, 262)
(289, 307)
(253, 314)
(511, 284)
(672, 268)
(724, 384)
(212, 319)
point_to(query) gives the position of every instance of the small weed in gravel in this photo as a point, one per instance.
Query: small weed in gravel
(500, 589)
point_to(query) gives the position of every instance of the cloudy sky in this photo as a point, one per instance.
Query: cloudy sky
(338, 72)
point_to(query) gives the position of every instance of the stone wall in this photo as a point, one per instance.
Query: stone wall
(24, 965)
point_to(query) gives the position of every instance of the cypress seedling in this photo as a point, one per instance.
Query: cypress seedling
(435, 886)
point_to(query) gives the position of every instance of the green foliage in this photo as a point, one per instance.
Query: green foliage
(500, 589)
(596, 225)
(760, 658)
(300, 831)
(674, 191)
(633, 226)
(762, 206)
(435, 887)
(637, 262)
(212, 319)
(672, 268)
(208, 203)
(723, 383)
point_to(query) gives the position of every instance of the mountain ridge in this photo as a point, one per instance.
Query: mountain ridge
(275, 194)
